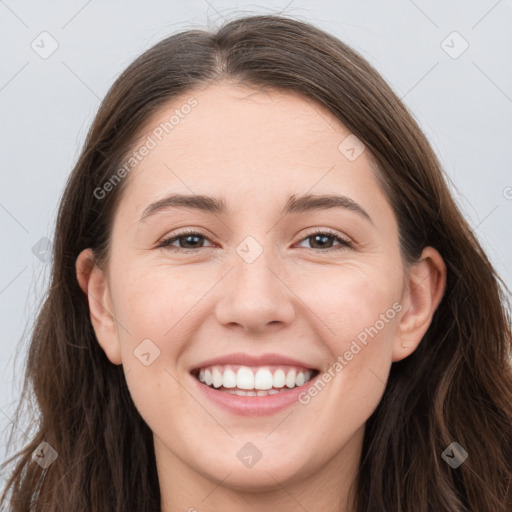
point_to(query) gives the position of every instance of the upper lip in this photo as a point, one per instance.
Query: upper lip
(253, 360)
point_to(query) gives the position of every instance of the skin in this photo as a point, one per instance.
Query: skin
(256, 149)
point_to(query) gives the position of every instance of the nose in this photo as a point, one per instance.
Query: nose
(256, 295)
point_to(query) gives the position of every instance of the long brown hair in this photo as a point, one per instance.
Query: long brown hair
(457, 385)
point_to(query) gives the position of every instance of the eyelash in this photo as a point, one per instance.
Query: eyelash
(165, 243)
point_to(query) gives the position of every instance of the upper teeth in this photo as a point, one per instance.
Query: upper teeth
(245, 377)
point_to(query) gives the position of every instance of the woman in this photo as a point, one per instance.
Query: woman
(264, 297)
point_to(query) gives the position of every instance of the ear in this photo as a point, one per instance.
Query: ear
(425, 285)
(94, 284)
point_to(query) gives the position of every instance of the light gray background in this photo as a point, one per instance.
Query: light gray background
(464, 105)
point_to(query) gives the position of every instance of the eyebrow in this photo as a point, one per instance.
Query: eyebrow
(218, 205)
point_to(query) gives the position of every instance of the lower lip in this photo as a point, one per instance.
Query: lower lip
(253, 405)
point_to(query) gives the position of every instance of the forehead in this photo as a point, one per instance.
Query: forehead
(229, 120)
(228, 140)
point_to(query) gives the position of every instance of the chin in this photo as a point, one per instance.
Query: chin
(264, 476)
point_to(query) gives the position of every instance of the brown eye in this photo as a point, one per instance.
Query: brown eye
(325, 240)
(188, 241)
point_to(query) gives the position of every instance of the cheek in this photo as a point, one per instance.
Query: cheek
(351, 387)
(152, 302)
(151, 308)
(361, 310)
(155, 313)
(354, 303)
(363, 317)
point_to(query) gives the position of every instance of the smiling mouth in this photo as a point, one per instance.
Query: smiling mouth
(254, 381)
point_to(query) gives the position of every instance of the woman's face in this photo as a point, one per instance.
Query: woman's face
(275, 287)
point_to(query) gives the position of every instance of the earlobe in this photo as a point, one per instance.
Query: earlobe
(426, 283)
(94, 284)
